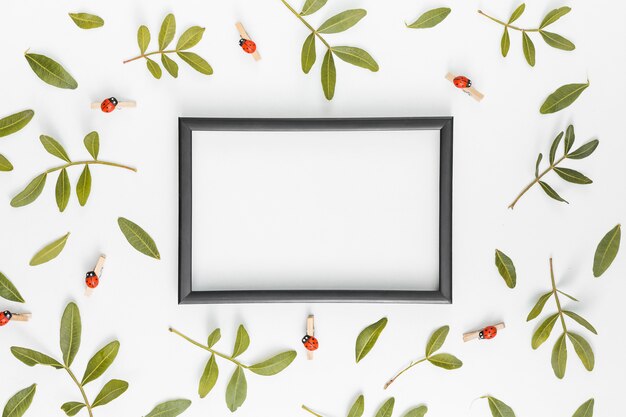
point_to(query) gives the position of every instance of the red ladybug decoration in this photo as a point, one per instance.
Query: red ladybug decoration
(5, 317)
(462, 82)
(247, 45)
(92, 280)
(488, 332)
(109, 104)
(310, 343)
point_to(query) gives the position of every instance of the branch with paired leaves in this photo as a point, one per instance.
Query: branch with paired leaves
(63, 187)
(71, 329)
(9, 125)
(237, 388)
(442, 360)
(385, 410)
(553, 39)
(20, 402)
(567, 174)
(338, 23)
(606, 251)
(559, 352)
(190, 38)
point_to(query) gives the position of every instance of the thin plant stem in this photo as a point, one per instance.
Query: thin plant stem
(556, 297)
(208, 349)
(94, 162)
(403, 371)
(306, 24)
(304, 407)
(536, 181)
(82, 391)
(506, 24)
(150, 53)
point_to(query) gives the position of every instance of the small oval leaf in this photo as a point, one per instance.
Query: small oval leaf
(309, 55)
(209, 377)
(538, 308)
(529, 49)
(275, 364)
(31, 192)
(83, 187)
(190, 38)
(543, 331)
(585, 150)
(63, 190)
(196, 62)
(50, 71)
(237, 390)
(111, 390)
(100, 362)
(437, 340)
(499, 408)
(583, 350)
(50, 251)
(562, 97)
(15, 122)
(138, 238)
(8, 290)
(585, 410)
(430, 18)
(517, 13)
(242, 341)
(92, 144)
(214, 337)
(506, 269)
(31, 357)
(170, 65)
(71, 330)
(553, 16)
(505, 43)
(358, 407)
(356, 56)
(368, 337)
(86, 20)
(311, 6)
(72, 408)
(606, 251)
(445, 361)
(386, 410)
(580, 320)
(54, 148)
(342, 21)
(551, 193)
(559, 357)
(573, 176)
(557, 41)
(171, 408)
(417, 412)
(19, 403)
(5, 164)
(555, 147)
(143, 38)
(154, 68)
(329, 75)
(167, 32)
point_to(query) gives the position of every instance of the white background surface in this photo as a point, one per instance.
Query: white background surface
(496, 144)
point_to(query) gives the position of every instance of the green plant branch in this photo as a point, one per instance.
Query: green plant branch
(82, 391)
(304, 407)
(171, 51)
(307, 24)
(94, 162)
(506, 24)
(556, 298)
(536, 181)
(208, 349)
(412, 364)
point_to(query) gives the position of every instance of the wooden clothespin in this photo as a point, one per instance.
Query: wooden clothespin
(487, 333)
(111, 103)
(246, 43)
(6, 316)
(465, 84)
(309, 341)
(92, 278)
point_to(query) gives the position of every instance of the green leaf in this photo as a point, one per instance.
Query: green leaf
(8, 290)
(553, 16)
(386, 409)
(606, 251)
(63, 190)
(31, 192)
(50, 251)
(329, 75)
(538, 308)
(15, 122)
(562, 97)
(573, 176)
(32, 357)
(430, 19)
(72, 408)
(585, 410)
(368, 337)
(550, 191)
(275, 364)
(167, 32)
(356, 56)
(499, 408)
(445, 361)
(543, 331)
(557, 41)
(555, 147)
(50, 71)
(539, 158)
(143, 38)
(214, 337)
(506, 269)
(417, 412)
(86, 20)
(311, 6)
(71, 329)
(559, 357)
(138, 238)
(170, 65)
(154, 68)
(242, 341)
(209, 377)
(111, 390)
(570, 137)
(54, 148)
(505, 43)
(567, 295)
(585, 150)
(437, 340)
(19, 403)
(5, 164)
(309, 54)
(583, 350)
(529, 49)
(83, 187)
(237, 390)
(190, 38)
(92, 143)
(358, 407)
(342, 21)
(171, 408)
(100, 362)
(580, 320)
(196, 62)
(517, 13)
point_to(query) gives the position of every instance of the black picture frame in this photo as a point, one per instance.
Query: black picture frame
(186, 127)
